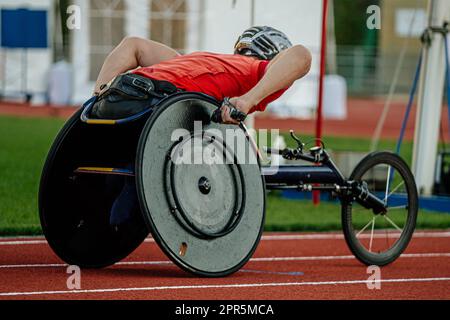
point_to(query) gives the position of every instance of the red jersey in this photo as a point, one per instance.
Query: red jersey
(217, 75)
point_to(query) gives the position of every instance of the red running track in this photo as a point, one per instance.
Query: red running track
(285, 266)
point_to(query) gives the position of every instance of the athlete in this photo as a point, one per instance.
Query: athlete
(263, 66)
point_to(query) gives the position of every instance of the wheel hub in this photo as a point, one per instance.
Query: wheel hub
(204, 185)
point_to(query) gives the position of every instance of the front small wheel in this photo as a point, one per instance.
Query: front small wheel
(379, 239)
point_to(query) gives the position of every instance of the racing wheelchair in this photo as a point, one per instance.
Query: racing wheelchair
(206, 216)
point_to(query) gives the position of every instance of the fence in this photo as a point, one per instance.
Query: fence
(369, 72)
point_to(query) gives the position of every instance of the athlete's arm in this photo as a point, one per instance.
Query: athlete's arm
(287, 67)
(131, 53)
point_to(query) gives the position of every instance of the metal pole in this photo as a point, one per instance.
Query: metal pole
(4, 59)
(323, 55)
(431, 92)
(24, 77)
(331, 39)
(252, 12)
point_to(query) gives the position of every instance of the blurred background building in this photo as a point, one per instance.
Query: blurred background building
(368, 58)
(186, 25)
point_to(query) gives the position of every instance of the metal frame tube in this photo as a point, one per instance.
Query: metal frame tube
(299, 175)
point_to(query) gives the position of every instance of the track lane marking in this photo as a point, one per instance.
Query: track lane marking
(319, 236)
(316, 236)
(263, 259)
(22, 242)
(346, 257)
(243, 285)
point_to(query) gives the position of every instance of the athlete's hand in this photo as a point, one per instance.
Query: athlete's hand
(241, 104)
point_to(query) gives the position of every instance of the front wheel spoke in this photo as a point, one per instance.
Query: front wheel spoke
(393, 223)
(392, 192)
(371, 234)
(387, 184)
(363, 229)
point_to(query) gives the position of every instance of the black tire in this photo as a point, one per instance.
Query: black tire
(408, 184)
(65, 202)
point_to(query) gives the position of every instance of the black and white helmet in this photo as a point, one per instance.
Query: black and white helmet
(262, 42)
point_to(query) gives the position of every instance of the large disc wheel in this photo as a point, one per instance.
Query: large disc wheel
(379, 239)
(203, 202)
(75, 208)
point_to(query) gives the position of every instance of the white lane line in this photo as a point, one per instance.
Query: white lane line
(22, 242)
(317, 236)
(22, 238)
(63, 265)
(408, 255)
(264, 259)
(37, 265)
(221, 286)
